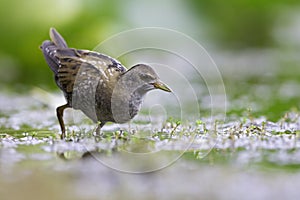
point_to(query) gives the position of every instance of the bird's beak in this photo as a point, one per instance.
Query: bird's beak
(161, 86)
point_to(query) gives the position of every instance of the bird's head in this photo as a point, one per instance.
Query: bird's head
(145, 78)
(132, 85)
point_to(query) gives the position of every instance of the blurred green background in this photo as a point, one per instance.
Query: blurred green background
(233, 25)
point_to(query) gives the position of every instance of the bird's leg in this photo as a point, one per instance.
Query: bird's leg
(60, 114)
(129, 127)
(98, 129)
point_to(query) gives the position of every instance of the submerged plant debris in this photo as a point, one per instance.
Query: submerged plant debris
(247, 140)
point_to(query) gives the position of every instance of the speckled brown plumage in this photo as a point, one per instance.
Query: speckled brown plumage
(97, 84)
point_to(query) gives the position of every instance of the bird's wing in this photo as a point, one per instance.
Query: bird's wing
(80, 72)
(84, 67)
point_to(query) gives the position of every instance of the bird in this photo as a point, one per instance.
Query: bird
(97, 84)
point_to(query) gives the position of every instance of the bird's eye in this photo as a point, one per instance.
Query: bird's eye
(146, 77)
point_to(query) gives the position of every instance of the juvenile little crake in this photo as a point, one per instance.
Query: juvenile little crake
(98, 85)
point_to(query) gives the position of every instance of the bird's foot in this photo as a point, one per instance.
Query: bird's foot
(98, 137)
(97, 133)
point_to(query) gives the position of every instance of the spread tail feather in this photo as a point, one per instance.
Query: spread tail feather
(49, 49)
(57, 39)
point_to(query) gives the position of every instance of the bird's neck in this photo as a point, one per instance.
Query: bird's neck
(135, 102)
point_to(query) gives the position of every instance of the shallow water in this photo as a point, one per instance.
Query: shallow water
(244, 157)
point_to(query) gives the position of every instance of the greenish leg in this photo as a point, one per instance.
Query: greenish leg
(60, 114)
(98, 129)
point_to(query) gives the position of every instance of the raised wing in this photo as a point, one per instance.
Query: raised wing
(81, 73)
(84, 67)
